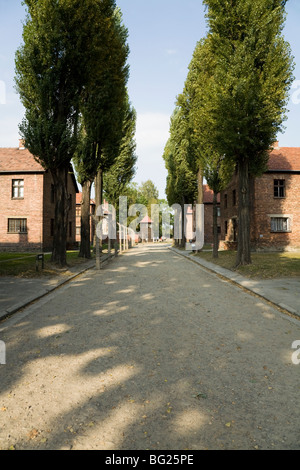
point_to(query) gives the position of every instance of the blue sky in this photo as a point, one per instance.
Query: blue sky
(162, 37)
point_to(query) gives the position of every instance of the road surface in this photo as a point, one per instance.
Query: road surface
(151, 353)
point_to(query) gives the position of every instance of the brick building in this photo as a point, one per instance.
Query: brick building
(208, 197)
(78, 218)
(275, 205)
(28, 203)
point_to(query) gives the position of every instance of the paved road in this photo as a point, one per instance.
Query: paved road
(151, 353)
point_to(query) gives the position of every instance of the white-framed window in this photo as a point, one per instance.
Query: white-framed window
(280, 224)
(18, 189)
(17, 226)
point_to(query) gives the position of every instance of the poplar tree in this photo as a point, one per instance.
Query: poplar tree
(72, 60)
(199, 94)
(180, 163)
(252, 79)
(51, 70)
(121, 173)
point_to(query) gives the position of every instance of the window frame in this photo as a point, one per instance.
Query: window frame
(280, 229)
(23, 224)
(19, 187)
(279, 188)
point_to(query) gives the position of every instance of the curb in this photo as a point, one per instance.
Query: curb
(238, 280)
(4, 314)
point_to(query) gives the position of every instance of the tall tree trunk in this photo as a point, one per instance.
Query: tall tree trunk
(98, 188)
(85, 244)
(183, 224)
(200, 189)
(244, 247)
(98, 202)
(215, 226)
(62, 206)
(200, 186)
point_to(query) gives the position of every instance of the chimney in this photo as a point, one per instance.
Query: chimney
(21, 144)
(276, 145)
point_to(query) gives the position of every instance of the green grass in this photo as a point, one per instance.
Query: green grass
(264, 265)
(24, 264)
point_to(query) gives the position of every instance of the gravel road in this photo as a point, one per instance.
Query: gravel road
(151, 353)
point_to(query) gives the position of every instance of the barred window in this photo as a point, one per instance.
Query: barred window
(18, 189)
(17, 225)
(280, 224)
(279, 188)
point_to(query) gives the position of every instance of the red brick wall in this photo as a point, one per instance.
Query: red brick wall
(30, 208)
(229, 212)
(78, 223)
(49, 213)
(209, 223)
(266, 205)
(263, 206)
(37, 194)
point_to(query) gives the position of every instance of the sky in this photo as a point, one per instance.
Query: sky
(162, 37)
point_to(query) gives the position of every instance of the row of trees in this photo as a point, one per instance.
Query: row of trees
(71, 74)
(232, 107)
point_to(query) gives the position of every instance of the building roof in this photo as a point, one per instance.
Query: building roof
(146, 220)
(285, 159)
(208, 195)
(15, 160)
(19, 160)
(79, 199)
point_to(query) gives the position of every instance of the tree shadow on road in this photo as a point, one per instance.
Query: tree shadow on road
(143, 355)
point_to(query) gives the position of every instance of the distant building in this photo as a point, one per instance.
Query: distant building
(28, 203)
(78, 218)
(275, 205)
(208, 196)
(146, 229)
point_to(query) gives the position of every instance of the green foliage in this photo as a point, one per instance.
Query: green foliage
(179, 159)
(122, 171)
(51, 69)
(105, 102)
(148, 193)
(71, 74)
(252, 77)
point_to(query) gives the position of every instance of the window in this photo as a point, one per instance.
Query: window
(52, 194)
(218, 211)
(280, 224)
(52, 228)
(279, 188)
(17, 225)
(235, 228)
(225, 201)
(18, 189)
(226, 227)
(70, 229)
(234, 197)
